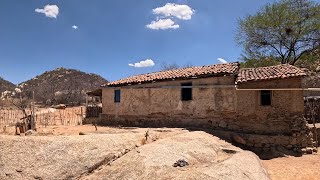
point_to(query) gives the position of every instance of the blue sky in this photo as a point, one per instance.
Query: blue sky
(113, 33)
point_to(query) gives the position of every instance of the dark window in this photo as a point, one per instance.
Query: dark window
(117, 96)
(265, 97)
(186, 92)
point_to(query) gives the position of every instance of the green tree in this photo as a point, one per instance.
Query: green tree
(310, 61)
(287, 30)
(261, 62)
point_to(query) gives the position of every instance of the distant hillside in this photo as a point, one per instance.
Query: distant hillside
(67, 86)
(6, 85)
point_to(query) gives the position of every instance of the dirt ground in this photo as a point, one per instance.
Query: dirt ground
(106, 140)
(306, 167)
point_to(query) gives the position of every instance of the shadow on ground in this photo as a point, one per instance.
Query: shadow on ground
(275, 152)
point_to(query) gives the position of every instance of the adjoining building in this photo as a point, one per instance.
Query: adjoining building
(93, 105)
(263, 101)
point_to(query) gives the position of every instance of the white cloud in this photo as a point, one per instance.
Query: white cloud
(222, 61)
(146, 63)
(50, 11)
(163, 24)
(176, 10)
(75, 27)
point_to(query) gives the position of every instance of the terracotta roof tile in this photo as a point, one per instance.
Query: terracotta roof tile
(270, 72)
(183, 73)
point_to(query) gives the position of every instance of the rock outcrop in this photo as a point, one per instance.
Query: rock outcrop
(208, 157)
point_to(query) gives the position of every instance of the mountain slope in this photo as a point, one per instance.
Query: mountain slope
(6, 85)
(67, 86)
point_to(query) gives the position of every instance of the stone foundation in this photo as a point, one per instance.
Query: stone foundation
(267, 142)
(272, 125)
(266, 146)
(91, 121)
(249, 133)
(317, 129)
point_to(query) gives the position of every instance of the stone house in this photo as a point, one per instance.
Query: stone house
(266, 101)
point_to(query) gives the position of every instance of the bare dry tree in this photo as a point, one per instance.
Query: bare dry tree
(172, 66)
(20, 101)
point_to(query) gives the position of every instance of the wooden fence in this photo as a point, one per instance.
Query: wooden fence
(93, 112)
(45, 117)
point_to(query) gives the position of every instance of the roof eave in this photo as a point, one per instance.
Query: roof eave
(173, 79)
(269, 79)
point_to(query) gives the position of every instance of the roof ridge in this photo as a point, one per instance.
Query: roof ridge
(186, 72)
(191, 67)
(271, 66)
(269, 72)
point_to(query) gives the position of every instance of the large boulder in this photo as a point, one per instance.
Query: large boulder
(207, 157)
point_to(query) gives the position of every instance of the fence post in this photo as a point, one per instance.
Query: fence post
(81, 115)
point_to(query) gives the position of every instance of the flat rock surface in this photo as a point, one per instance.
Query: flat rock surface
(208, 158)
(60, 153)
(57, 157)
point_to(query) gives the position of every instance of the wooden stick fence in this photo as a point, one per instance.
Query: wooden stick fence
(45, 117)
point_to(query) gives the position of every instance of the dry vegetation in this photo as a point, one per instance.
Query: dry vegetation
(6, 85)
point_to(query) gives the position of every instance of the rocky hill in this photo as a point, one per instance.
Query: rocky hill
(6, 85)
(66, 86)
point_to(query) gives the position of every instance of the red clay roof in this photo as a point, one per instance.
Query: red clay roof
(183, 73)
(270, 72)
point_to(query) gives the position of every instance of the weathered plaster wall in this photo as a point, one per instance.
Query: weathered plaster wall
(165, 103)
(286, 107)
(225, 108)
